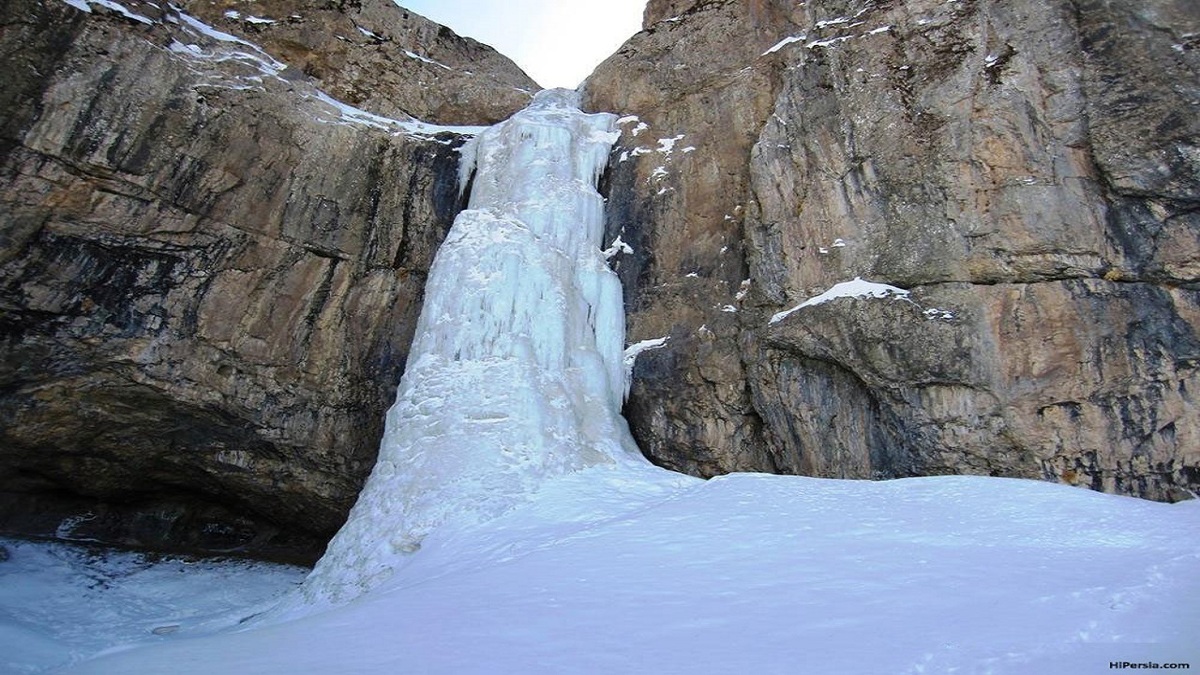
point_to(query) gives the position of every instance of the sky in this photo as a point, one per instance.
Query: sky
(558, 43)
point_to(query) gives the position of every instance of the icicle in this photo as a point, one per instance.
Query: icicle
(466, 165)
(515, 374)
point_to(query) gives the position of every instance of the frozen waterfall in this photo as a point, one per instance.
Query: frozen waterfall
(515, 374)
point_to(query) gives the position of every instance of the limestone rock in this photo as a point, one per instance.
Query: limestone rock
(677, 193)
(1028, 170)
(375, 55)
(210, 271)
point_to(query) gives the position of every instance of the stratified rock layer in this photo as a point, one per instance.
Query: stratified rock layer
(1029, 170)
(378, 56)
(210, 274)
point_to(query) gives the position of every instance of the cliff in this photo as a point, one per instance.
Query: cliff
(1025, 174)
(210, 269)
(217, 219)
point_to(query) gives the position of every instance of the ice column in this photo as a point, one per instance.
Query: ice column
(515, 374)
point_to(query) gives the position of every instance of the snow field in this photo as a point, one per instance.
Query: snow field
(637, 570)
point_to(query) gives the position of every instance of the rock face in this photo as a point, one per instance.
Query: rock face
(375, 55)
(211, 264)
(210, 270)
(1029, 171)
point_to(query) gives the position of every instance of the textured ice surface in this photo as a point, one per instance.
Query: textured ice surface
(61, 603)
(516, 372)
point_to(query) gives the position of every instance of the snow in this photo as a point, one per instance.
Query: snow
(828, 42)
(631, 353)
(236, 15)
(667, 145)
(424, 59)
(634, 569)
(843, 23)
(253, 55)
(348, 114)
(259, 60)
(847, 289)
(834, 22)
(117, 7)
(221, 47)
(784, 42)
(210, 32)
(618, 245)
(637, 129)
(268, 66)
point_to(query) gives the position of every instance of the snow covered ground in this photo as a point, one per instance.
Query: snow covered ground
(626, 570)
(60, 603)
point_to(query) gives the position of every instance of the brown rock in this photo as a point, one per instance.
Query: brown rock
(1025, 168)
(378, 56)
(209, 277)
(677, 193)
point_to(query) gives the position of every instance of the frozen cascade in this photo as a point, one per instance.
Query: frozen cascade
(515, 374)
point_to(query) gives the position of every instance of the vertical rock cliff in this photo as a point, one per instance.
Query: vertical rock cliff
(857, 238)
(210, 266)
(1026, 174)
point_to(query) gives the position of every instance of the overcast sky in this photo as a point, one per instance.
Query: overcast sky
(557, 42)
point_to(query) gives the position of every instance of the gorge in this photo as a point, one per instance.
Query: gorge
(911, 241)
(208, 299)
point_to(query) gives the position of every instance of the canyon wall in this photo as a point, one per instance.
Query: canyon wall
(216, 220)
(1028, 173)
(210, 269)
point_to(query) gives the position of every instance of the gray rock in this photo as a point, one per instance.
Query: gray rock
(209, 278)
(1026, 169)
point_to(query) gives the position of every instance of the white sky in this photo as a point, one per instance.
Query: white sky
(557, 42)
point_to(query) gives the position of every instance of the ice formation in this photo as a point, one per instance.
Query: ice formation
(516, 373)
